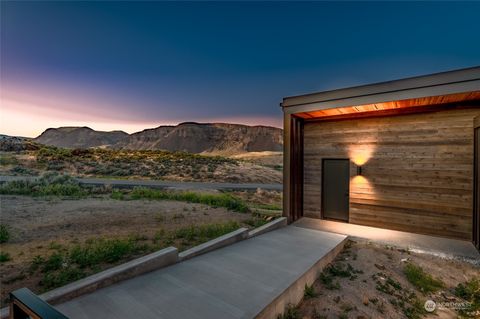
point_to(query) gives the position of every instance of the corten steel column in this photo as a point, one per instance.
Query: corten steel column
(476, 184)
(293, 168)
(286, 165)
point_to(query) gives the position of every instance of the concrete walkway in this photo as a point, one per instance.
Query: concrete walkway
(443, 247)
(237, 281)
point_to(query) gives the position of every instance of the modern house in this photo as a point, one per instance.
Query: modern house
(400, 155)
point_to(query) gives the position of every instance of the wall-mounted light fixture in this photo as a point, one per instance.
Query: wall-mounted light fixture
(359, 170)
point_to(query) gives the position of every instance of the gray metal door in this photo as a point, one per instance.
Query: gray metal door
(335, 189)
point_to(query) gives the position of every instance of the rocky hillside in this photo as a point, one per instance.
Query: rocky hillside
(16, 143)
(219, 138)
(79, 137)
(216, 138)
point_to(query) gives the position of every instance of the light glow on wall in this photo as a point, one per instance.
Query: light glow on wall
(360, 154)
(360, 180)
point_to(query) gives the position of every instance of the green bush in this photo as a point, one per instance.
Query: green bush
(67, 265)
(470, 291)
(8, 160)
(4, 257)
(215, 200)
(420, 279)
(203, 233)
(309, 292)
(99, 251)
(255, 222)
(117, 194)
(291, 312)
(57, 279)
(20, 170)
(50, 184)
(4, 233)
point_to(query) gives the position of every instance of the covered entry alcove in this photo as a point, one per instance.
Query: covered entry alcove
(409, 146)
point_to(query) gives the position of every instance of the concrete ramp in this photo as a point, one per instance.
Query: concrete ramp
(253, 278)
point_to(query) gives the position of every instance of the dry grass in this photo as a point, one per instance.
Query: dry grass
(97, 162)
(372, 281)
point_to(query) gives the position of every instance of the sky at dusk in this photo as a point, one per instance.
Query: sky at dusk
(135, 65)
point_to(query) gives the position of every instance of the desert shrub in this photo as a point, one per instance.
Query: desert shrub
(54, 262)
(309, 292)
(255, 222)
(202, 233)
(4, 233)
(215, 200)
(8, 160)
(52, 280)
(117, 194)
(98, 251)
(4, 257)
(55, 165)
(269, 206)
(421, 280)
(469, 291)
(50, 184)
(80, 260)
(291, 312)
(20, 170)
(52, 153)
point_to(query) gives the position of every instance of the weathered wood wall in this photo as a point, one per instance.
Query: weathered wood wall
(418, 174)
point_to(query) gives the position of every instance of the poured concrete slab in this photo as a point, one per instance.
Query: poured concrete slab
(238, 281)
(443, 247)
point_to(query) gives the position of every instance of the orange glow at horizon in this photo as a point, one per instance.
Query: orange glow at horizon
(28, 119)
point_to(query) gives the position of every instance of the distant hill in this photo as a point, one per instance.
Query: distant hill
(79, 137)
(220, 138)
(216, 138)
(16, 143)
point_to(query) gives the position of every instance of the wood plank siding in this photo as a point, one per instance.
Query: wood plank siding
(417, 172)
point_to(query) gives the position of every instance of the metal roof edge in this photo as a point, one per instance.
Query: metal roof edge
(466, 75)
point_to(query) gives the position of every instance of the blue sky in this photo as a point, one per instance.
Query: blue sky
(132, 65)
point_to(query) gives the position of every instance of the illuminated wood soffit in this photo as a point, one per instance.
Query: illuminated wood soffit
(432, 100)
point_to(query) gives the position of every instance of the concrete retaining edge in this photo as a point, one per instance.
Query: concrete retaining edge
(159, 259)
(136, 267)
(294, 294)
(222, 241)
(274, 224)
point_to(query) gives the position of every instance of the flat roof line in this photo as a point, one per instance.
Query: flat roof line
(417, 82)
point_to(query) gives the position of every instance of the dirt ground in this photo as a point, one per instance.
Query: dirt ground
(358, 297)
(36, 223)
(262, 158)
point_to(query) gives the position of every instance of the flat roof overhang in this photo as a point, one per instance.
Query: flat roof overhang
(435, 89)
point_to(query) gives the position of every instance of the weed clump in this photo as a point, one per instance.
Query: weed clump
(291, 312)
(67, 265)
(309, 292)
(51, 184)
(4, 257)
(421, 280)
(469, 291)
(215, 200)
(4, 233)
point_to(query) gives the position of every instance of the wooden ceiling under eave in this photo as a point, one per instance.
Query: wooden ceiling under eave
(392, 105)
